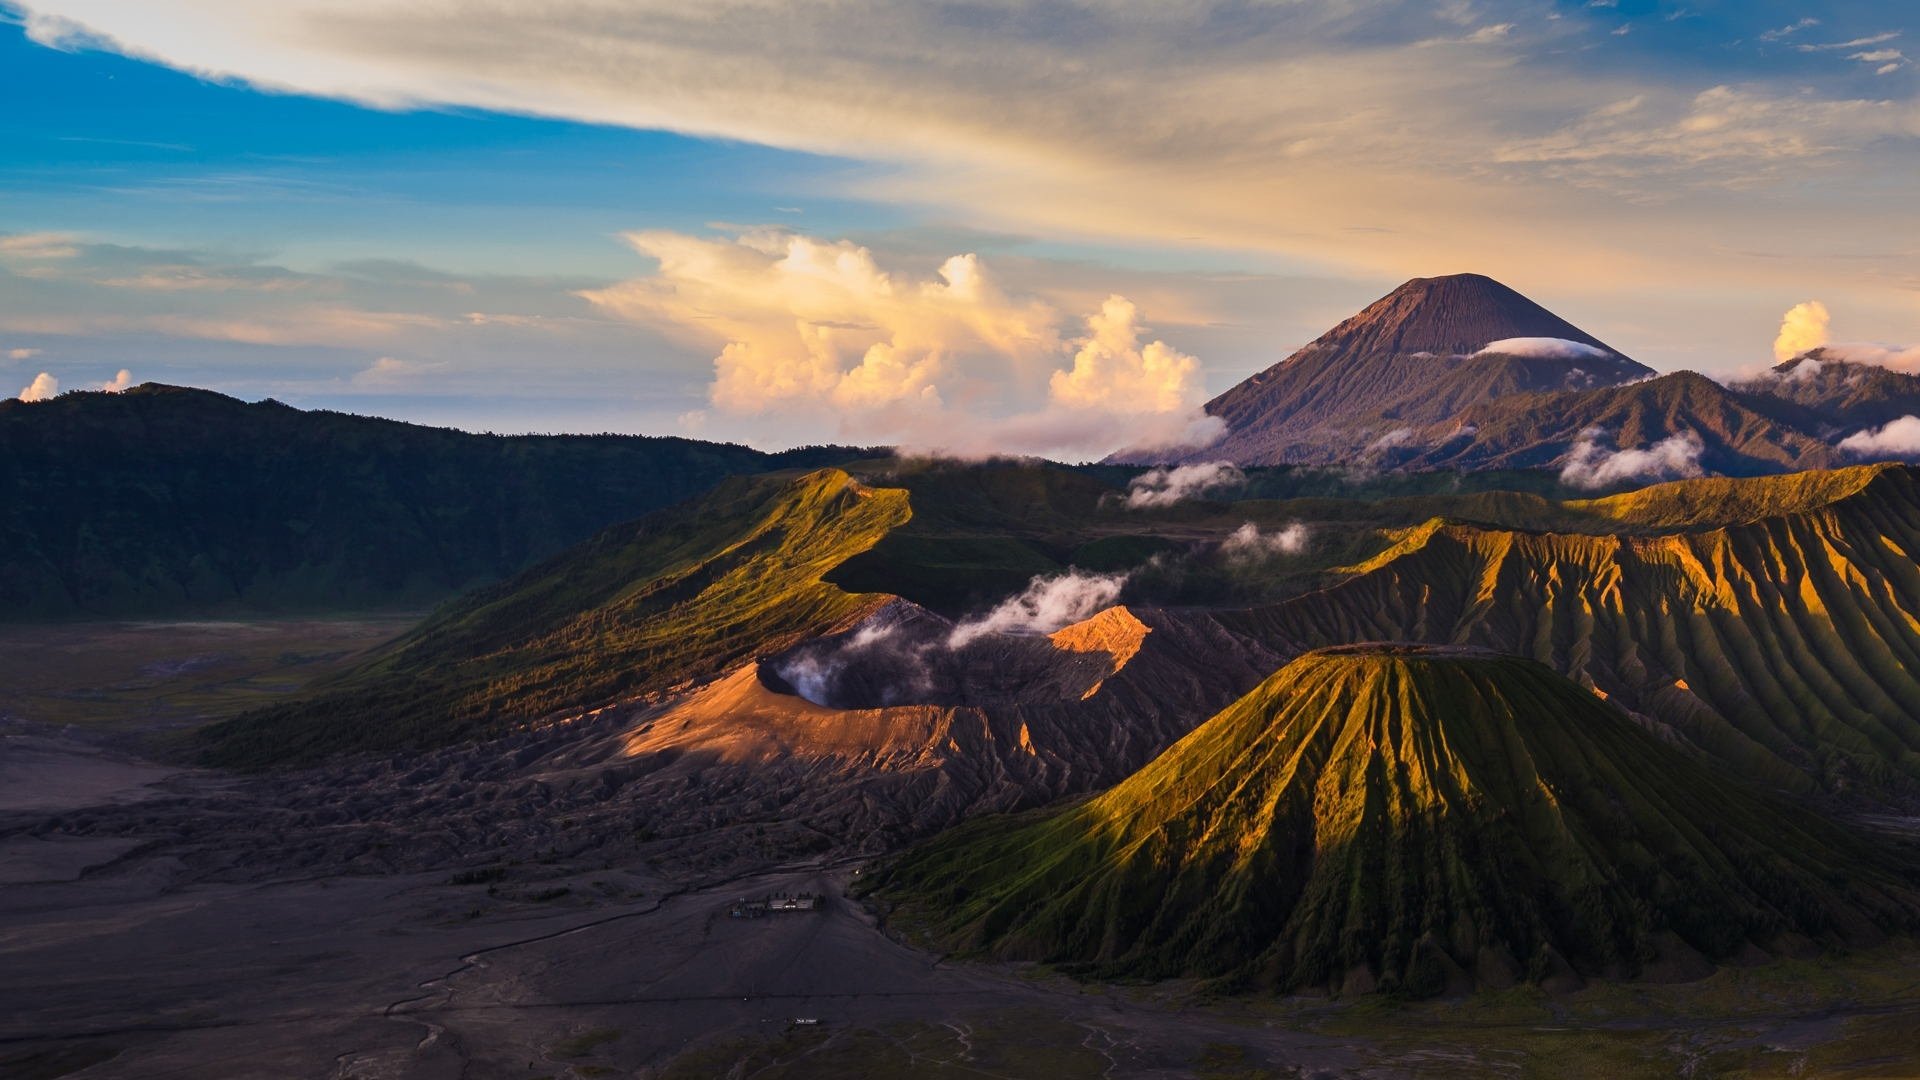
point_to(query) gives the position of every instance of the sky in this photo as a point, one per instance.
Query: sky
(976, 226)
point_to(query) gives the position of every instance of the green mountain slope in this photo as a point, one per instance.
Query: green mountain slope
(676, 597)
(164, 500)
(1405, 818)
(1787, 646)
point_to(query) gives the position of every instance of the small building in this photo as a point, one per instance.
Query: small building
(755, 908)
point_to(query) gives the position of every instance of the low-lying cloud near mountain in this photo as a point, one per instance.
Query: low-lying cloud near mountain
(1544, 348)
(950, 363)
(1248, 544)
(1898, 439)
(1591, 465)
(1045, 605)
(1165, 487)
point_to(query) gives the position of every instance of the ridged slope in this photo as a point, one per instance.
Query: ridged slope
(1404, 818)
(1787, 647)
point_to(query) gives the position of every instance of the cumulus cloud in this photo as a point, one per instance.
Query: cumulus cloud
(815, 322)
(1112, 370)
(1898, 439)
(1045, 605)
(1165, 487)
(42, 387)
(1802, 328)
(1543, 348)
(22, 354)
(1590, 465)
(1248, 544)
(120, 381)
(949, 362)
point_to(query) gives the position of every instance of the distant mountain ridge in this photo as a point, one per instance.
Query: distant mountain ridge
(171, 500)
(1412, 358)
(1462, 372)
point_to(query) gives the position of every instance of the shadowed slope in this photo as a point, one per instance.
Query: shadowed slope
(674, 598)
(1402, 817)
(169, 500)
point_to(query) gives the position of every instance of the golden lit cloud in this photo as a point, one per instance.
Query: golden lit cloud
(949, 362)
(1803, 327)
(42, 387)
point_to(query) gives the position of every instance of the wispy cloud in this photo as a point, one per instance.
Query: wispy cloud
(1464, 133)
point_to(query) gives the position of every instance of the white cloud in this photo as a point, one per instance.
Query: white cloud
(1590, 465)
(22, 354)
(388, 372)
(1543, 348)
(120, 381)
(1165, 487)
(1113, 371)
(1249, 544)
(948, 363)
(1046, 605)
(1906, 359)
(1898, 439)
(43, 387)
(1802, 328)
(811, 322)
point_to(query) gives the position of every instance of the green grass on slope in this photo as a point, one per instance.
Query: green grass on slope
(675, 597)
(1787, 648)
(1397, 818)
(1718, 501)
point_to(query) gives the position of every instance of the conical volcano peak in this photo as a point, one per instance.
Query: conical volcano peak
(1407, 818)
(1447, 316)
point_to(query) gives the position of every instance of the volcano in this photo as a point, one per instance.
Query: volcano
(1416, 357)
(1412, 819)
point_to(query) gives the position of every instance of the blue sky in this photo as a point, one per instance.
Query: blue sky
(732, 220)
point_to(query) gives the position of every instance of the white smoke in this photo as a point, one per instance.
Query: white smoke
(812, 677)
(1590, 465)
(1045, 605)
(1248, 544)
(1165, 487)
(119, 382)
(42, 387)
(1543, 348)
(1898, 439)
(1399, 436)
(1802, 328)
